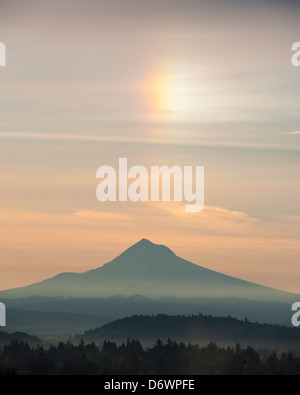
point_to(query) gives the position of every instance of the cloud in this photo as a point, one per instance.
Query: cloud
(211, 220)
(144, 140)
(103, 215)
(295, 133)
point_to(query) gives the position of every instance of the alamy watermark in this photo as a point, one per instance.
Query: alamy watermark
(296, 316)
(2, 55)
(2, 314)
(153, 185)
(296, 55)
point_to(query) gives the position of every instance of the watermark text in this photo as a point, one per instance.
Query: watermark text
(296, 55)
(2, 55)
(155, 185)
(296, 316)
(2, 314)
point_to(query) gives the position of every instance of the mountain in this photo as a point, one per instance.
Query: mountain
(153, 271)
(199, 328)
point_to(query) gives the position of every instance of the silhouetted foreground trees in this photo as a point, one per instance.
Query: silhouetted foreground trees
(131, 359)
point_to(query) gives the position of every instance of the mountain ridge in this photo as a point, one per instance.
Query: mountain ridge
(199, 328)
(151, 270)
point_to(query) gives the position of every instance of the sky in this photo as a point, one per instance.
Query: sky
(168, 82)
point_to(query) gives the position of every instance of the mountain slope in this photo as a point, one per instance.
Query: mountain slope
(153, 271)
(6, 338)
(109, 309)
(198, 328)
(52, 323)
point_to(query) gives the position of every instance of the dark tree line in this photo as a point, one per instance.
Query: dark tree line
(131, 358)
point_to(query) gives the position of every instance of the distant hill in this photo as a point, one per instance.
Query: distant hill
(152, 271)
(51, 323)
(200, 329)
(6, 338)
(63, 316)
